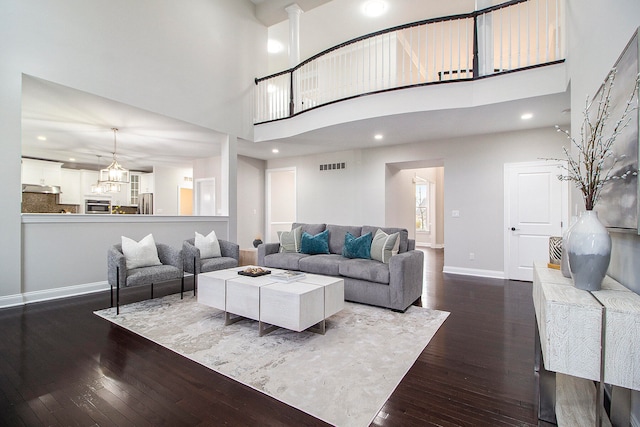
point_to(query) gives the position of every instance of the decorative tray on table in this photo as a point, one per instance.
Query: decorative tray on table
(254, 272)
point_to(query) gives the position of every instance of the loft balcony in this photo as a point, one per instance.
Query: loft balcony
(450, 62)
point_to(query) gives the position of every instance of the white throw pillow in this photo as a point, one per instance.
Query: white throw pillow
(140, 254)
(208, 245)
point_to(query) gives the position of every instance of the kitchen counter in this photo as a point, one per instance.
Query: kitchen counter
(44, 218)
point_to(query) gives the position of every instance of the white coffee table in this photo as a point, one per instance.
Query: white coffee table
(299, 305)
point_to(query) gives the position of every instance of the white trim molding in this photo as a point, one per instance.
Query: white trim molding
(51, 294)
(491, 274)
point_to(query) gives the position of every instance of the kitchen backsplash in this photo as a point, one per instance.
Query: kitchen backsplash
(45, 203)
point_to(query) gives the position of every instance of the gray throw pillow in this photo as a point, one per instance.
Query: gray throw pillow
(290, 240)
(382, 246)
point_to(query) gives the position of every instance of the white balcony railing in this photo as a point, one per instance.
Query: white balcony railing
(512, 36)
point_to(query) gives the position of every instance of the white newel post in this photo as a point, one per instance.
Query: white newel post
(485, 39)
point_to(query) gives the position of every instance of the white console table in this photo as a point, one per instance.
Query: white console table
(587, 335)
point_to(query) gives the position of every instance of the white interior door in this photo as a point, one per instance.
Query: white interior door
(281, 201)
(206, 196)
(536, 207)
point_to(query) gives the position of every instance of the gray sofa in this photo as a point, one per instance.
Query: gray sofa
(395, 285)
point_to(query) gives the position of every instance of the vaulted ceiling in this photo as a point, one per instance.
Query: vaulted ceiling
(78, 125)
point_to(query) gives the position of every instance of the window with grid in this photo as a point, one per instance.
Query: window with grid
(134, 188)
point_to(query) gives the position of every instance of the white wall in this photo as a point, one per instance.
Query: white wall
(193, 63)
(251, 201)
(473, 184)
(598, 32)
(167, 181)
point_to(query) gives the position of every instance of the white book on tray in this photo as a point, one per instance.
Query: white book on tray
(288, 276)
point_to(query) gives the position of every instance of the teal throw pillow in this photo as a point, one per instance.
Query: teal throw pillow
(383, 246)
(357, 247)
(290, 240)
(318, 244)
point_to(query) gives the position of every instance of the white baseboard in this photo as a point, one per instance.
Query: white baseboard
(11, 301)
(429, 245)
(491, 274)
(50, 294)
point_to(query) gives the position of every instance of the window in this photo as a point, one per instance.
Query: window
(422, 206)
(134, 188)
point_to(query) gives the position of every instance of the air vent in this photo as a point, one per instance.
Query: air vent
(333, 166)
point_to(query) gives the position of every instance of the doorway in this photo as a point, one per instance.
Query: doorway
(185, 201)
(281, 201)
(426, 226)
(206, 197)
(415, 200)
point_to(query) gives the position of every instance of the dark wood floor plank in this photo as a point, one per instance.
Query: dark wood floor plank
(62, 365)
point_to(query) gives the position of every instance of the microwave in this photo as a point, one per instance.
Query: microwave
(96, 206)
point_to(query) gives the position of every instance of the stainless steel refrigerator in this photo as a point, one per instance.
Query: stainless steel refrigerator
(145, 203)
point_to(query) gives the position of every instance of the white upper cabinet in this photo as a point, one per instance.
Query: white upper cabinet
(147, 183)
(40, 172)
(71, 188)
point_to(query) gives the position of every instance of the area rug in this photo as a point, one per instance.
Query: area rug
(343, 377)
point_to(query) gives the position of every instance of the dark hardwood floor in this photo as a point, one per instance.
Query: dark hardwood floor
(62, 365)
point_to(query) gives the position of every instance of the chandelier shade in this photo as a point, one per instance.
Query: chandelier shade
(114, 175)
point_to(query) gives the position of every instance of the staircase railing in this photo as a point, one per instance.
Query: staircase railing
(515, 35)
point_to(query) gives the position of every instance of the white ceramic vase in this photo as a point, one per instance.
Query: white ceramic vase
(589, 250)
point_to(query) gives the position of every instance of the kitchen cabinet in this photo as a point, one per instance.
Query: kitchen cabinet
(41, 172)
(87, 179)
(70, 184)
(147, 183)
(122, 197)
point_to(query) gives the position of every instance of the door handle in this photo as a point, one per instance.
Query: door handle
(514, 229)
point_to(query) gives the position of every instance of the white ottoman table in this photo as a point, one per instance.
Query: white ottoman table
(297, 305)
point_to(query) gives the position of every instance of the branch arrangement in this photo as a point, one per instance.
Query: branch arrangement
(589, 171)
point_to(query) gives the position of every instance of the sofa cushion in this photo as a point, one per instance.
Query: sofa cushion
(337, 234)
(154, 274)
(403, 233)
(290, 240)
(312, 229)
(327, 265)
(357, 247)
(318, 244)
(219, 263)
(383, 245)
(365, 269)
(284, 260)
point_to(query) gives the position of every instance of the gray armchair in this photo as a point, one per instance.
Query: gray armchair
(118, 275)
(195, 265)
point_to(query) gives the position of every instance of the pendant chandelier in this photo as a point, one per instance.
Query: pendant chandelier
(98, 187)
(114, 175)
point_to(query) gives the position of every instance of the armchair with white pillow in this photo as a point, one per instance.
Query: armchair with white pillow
(146, 262)
(203, 254)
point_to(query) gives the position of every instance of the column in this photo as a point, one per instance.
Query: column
(294, 13)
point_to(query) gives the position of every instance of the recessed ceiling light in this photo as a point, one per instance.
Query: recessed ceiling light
(275, 151)
(378, 136)
(526, 116)
(374, 8)
(274, 46)
(72, 159)
(42, 138)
